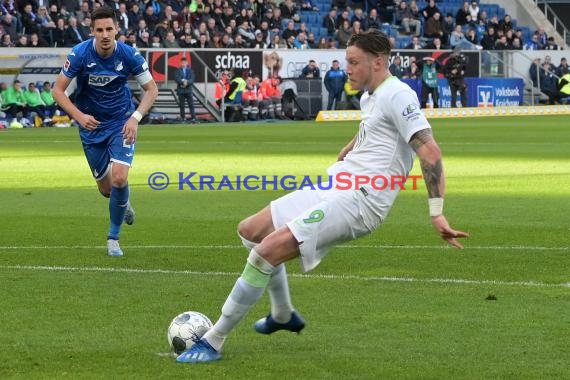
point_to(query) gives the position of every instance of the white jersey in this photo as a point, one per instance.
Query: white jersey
(390, 117)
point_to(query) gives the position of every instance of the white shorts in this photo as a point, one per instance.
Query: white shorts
(321, 219)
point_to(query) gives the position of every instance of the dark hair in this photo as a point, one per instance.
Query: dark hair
(103, 12)
(372, 41)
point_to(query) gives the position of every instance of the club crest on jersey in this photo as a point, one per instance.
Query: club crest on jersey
(101, 80)
(119, 66)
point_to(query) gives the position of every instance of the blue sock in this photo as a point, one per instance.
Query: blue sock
(117, 207)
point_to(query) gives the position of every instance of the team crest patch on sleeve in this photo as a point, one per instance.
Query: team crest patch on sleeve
(410, 109)
(66, 65)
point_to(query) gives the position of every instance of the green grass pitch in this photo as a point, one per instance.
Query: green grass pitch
(397, 304)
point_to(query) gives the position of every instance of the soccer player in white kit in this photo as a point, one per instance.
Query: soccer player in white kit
(308, 223)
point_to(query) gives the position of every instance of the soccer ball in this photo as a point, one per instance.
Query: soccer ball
(186, 329)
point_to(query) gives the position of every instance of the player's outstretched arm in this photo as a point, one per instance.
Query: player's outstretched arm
(429, 154)
(61, 98)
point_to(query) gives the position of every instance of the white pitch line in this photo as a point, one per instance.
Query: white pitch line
(208, 247)
(334, 277)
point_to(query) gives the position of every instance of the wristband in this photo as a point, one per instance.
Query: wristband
(137, 116)
(435, 206)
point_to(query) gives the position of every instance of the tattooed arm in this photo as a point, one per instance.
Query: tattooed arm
(429, 154)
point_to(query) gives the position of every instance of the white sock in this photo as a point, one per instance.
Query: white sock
(278, 287)
(247, 290)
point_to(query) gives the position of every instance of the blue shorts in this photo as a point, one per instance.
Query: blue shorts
(101, 154)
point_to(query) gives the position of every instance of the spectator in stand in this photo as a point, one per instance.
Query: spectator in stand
(457, 37)
(22, 41)
(542, 37)
(170, 41)
(150, 17)
(276, 20)
(386, 9)
(58, 34)
(551, 45)
(323, 43)
(502, 43)
(10, 26)
(259, 41)
(396, 67)
(430, 10)
(474, 11)
(416, 44)
(406, 19)
(562, 68)
(344, 34)
(311, 71)
(72, 35)
(471, 37)
(122, 17)
(85, 27)
(533, 43)
(7, 41)
(461, 15)
(201, 43)
(301, 42)
(436, 44)
(29, 20)
(303, 28)
(356, 28)
(84, 11)
(289, 10)
(516, 44)
(240, 42)
(45, 21)
(289, 31)
(505, 24)
(330, 22)
(311, 41)
(161, 28)
(334, 83)
(277, 43)
(36, 41)
(309, 5)
(448, 24)
(489, 39)
(373, 21)
(344, 15)
(434, 27)
(360, 17)
(185, 42)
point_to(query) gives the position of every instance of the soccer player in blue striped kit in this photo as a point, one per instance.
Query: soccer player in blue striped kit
(108, 120)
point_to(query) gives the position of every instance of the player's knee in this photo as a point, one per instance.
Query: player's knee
(104, 192)
(120, 180)
(249, 233)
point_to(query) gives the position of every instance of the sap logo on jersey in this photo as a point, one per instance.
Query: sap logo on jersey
(101, 80)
